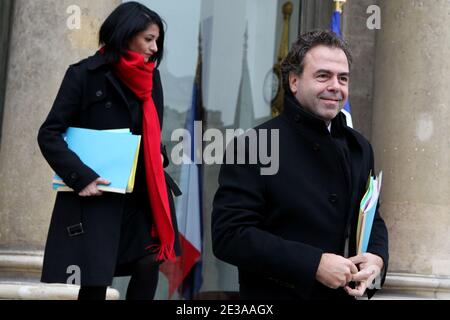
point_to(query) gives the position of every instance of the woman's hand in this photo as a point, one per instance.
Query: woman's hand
(92, 188)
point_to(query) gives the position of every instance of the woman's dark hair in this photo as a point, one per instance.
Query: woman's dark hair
(126, 21)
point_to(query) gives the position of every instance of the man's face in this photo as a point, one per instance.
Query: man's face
(322, 88)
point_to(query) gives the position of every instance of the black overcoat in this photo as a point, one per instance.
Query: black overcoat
(275, 228)
(116, 227)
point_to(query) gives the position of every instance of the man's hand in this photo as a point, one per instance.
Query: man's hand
(92, 189)
(370, 266)
(335, 271)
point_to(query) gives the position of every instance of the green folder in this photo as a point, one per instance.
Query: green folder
(112, 154)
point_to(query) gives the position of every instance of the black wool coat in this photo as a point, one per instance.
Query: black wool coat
(116, 226)
(275, 228)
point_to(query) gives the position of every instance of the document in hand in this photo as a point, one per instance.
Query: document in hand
(112, 154)
(367, 210)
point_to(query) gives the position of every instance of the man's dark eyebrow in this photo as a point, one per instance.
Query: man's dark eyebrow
(329, 72)
(322, 71)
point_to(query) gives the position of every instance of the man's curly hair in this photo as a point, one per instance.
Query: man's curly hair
(294, 62)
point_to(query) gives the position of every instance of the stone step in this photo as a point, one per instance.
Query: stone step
(41, 291)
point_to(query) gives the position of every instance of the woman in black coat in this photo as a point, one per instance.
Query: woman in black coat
(94, 236)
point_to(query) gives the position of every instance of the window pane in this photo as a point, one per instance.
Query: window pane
(240, 43)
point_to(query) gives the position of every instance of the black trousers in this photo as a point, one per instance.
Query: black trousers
(142, 285)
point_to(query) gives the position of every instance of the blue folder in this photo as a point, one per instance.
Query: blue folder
(368, 208)
(112, 154)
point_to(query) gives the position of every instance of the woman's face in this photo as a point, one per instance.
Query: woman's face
(144, 42)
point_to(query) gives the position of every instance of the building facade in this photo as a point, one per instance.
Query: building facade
(398, 97)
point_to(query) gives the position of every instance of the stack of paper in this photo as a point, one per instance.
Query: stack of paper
(367, 211)
(112, 154)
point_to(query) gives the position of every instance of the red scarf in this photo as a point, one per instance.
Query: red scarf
(137, 75)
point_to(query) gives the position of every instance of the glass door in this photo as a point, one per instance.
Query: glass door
(238, 43)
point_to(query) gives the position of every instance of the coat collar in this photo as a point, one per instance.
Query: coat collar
(300, 116)
(96, 61)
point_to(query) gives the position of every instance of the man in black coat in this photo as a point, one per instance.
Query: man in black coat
(292, 234)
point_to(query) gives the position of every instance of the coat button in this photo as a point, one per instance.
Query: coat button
(99, 93)
(297, 118)
(108, 105)
(74, 175)
(316, 147)
(333, 198)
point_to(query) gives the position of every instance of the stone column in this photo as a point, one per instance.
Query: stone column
(45, 40)
(411, 139)
(362, 44)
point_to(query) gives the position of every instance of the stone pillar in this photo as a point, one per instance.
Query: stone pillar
(45, 40)
(411, 141)
(362, 43)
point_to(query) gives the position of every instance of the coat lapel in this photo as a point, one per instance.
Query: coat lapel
(118, 88)
(357, 160)
(97, 61)
(356, 155)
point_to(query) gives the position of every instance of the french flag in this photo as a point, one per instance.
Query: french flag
(185, 274)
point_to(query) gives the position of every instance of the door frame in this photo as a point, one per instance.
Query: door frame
(6, 13)
(315, 15)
